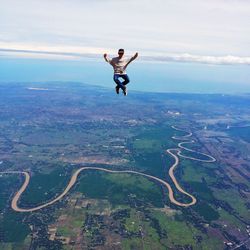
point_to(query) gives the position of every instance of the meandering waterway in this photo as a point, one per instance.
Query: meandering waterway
(174, 152)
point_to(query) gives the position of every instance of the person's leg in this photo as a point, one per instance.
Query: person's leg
(126, 79)
(117, 81)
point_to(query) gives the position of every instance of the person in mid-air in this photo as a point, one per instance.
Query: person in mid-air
(120, 64)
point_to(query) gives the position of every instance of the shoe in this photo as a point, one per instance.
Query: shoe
(117, 89)
(125, 92)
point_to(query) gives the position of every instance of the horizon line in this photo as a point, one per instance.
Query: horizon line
(47, 53)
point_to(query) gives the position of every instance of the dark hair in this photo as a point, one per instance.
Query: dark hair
(121, 50)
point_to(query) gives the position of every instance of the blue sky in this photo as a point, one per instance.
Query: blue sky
(198, 42)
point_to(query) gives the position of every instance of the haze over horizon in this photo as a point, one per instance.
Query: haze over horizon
(190, 43)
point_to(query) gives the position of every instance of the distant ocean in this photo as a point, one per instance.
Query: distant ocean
(144, 76)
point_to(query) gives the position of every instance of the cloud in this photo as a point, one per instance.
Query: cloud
(229, 59)
(167, 30)
(68, 53)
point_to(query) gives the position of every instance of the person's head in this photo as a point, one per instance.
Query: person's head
(121, 52)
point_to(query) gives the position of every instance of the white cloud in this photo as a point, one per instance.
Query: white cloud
(201, 59)
(78, 53)
(175, 30)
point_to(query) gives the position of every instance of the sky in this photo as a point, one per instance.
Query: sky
(209, 38)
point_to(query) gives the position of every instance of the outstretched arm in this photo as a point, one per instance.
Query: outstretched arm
(132, 59)
(106, 58)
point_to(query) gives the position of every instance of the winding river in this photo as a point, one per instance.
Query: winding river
(174, 152)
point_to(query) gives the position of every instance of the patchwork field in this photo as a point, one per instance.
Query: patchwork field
(52, 135)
